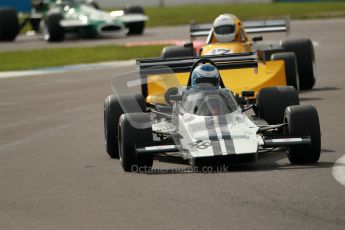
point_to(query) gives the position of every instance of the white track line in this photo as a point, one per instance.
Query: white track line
(316, 44)
(63, 69)
(338, 170)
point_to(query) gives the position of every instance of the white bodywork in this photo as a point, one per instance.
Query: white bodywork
(127, 18)
(90, 14)
(205, 136)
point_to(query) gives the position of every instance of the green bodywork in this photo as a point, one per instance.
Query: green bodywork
(82, 17)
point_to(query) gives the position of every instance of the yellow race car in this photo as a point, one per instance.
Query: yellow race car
(289, 62)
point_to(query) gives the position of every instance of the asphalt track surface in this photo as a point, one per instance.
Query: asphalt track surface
(55, 174)
(24, 42)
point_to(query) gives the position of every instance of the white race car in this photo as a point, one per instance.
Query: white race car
(208, 126)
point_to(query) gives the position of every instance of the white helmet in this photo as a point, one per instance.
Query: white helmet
(224, 28)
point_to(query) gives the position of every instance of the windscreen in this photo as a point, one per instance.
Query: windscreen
(207, 100)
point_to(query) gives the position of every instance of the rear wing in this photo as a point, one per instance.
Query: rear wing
(180, 65)
(200, 30)
(267, 26)
(257, 26)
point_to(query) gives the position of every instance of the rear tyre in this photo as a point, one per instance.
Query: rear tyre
(177, 51)
(134, 130)
(9, 24)
(303, 120)
(272, 102)
(53, 31)
(93, 4)
(304, 51)
(134, 10)
(135, 28)
(291, 73)
(113, 109)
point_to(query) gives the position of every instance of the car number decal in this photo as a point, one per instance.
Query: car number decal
(200, 144)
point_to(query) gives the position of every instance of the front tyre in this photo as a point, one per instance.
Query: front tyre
(9, 24)
(135, 129)
(114, 107)
(136, 28)
(303, 120)
(52, 30)
(111, 117)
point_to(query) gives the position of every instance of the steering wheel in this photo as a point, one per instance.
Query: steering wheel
(202, 61)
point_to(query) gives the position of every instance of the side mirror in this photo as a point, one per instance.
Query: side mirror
(170, 92)
(175, 97)
(257, 38)
(241, 100)
(248, 93)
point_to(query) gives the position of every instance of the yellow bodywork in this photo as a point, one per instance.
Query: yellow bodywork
(270, 73)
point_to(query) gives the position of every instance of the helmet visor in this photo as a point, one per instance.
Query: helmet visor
(207, 80)
(225, 29)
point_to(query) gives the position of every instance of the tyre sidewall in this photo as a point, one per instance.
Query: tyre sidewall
(113, 109)
(272, 102)
(53, 31)
(303, 120)
(134, 130)
(291, 71)
(177, 51)
(304, 51)
(9, 24)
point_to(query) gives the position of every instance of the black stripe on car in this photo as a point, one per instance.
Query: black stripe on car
(226, 136)
(212, 133)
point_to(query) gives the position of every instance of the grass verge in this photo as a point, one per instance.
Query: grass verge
(32, 59)
(176, 15)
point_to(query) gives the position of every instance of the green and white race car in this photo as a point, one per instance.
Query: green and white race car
(55, 18)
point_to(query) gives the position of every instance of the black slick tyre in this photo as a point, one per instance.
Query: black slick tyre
(291, 72)
(135, 129)
(114, 107)
(53, 31)
(272, 102)
(304, 51)
(94, 4)
(9, 24)
(177, 51)
(135, 28)
(303, 120)
(134, 10)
